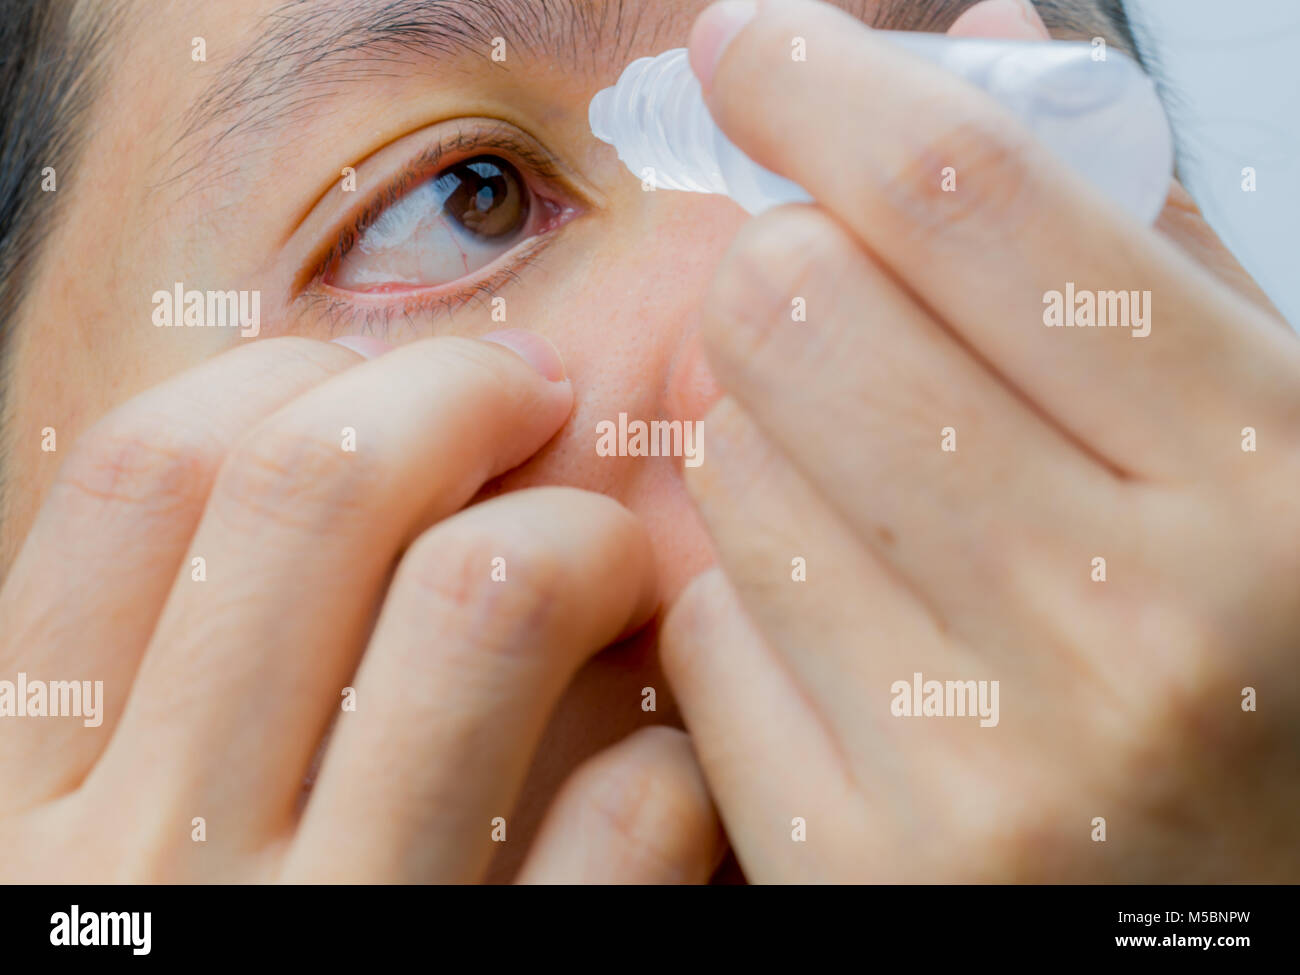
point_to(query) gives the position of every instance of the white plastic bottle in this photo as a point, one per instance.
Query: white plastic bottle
(1104, 118)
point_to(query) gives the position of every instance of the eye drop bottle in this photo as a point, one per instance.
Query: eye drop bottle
(1102, 117)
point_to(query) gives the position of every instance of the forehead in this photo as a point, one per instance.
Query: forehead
(271, 70)
(265, 59)
(576, 31)
(266, 62)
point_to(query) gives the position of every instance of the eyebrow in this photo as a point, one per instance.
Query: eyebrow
(307, 51)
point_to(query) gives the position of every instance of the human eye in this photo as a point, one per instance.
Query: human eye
(477, 203)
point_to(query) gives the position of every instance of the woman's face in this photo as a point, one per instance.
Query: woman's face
(229, 174)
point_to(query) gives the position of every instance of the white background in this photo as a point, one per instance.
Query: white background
(1230, 73)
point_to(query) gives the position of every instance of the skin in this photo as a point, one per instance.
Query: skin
(232, 453)
(593, 294)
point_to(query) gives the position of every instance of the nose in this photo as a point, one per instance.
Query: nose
(630, 345)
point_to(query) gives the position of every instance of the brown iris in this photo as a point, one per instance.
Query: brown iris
(485, 195)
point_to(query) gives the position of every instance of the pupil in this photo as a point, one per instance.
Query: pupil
(488, 196)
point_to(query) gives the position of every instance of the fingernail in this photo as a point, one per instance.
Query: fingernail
(534, 349)
(713, 31)
(1033, 19)
(1010, 20)
(366, 346)
(691, 387)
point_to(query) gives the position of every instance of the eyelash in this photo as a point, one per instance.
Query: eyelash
(463, 143)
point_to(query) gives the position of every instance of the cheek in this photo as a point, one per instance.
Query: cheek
(625, 323)
(86, 345)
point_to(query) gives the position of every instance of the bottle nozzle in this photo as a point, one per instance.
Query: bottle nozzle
(598, 115)
(1104, 118)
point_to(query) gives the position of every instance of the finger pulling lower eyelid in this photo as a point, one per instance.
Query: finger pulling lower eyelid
(534, 348)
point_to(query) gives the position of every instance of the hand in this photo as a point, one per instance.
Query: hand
(1126, 707)
(325, 569)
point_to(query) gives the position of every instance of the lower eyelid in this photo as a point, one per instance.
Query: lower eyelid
(376, 313)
